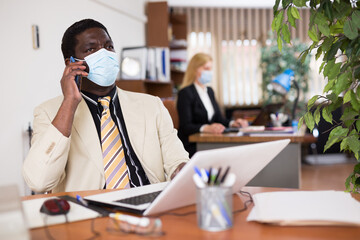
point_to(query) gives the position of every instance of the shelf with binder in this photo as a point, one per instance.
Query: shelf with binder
(155, 88)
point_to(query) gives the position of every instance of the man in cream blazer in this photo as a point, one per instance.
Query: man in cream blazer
(66, 153)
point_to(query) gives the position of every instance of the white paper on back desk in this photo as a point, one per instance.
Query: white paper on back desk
(301, 208)
(36, 219)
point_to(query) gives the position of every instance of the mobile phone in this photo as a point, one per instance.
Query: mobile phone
(77, 77)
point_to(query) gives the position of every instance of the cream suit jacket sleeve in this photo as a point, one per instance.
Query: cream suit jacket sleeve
(60, 164)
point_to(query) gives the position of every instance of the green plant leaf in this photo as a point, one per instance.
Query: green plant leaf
(276, 6)
(337, 28)
(317, 115)
(353, 143)
(356, 18)
(349, 114)
(329, 65)
(333, 50)
(311, 102)
(350, 29)
(324, 29)
(329, 85)
(318, 53)
(344, 146)
(286, 33)
(357, 168)
(301, 122)
(328, 10)
(347, 97)
(333, 98)
(336, 135)
(322, 66)
(277, 22)
(279, 42)
(326, 45)
(342, 83)
(313, 35)
(300, 3)
(334, 71)
(354, 101)
(291, 19)
(357, 124)
(285, 3)
(357, 182)
(347, 182)
(309, 121)
(295, 12)
(327, 115)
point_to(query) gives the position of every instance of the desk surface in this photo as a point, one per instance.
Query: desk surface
(235, 138)
(186, 227)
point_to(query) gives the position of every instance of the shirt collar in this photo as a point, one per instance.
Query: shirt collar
(93, 98)
(199, 89)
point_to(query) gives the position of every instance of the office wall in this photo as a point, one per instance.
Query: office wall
(28, 76)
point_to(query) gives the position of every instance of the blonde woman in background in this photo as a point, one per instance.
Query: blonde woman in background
(196, 105)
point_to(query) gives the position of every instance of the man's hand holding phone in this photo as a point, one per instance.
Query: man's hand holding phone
(64, 118)
(73, 71)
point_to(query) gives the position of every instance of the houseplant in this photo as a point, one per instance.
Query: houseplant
(334, 31)
(273, 62)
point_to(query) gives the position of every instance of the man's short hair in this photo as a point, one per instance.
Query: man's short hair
(69, 40)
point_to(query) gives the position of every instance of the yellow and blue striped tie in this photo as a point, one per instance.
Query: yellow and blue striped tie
(115, 168)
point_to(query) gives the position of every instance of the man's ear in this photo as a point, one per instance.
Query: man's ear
(67, 61)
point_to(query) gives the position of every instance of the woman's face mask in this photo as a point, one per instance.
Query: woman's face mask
(205, 77)
(103, 67)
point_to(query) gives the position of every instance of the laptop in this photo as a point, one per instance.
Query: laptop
(245, 162)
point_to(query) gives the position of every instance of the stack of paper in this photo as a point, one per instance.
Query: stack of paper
(300, 208)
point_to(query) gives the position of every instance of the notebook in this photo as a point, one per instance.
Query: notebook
(245, 162)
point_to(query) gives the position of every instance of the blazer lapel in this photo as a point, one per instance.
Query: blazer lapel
(132, 111)
(86, 130)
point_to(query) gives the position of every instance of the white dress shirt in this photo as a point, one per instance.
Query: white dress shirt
(205, 99)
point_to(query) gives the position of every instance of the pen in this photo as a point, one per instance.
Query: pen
(81, 200)
(197, 171)
(216, 213)
(225, 174)
(225, 214)
(209, 177)
(213, 176)
(198, 181)
(204, 175)
(217, 175)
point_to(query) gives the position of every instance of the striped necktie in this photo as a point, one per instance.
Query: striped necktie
(115, 168)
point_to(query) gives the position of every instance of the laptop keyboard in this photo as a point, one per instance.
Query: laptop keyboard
(140, 199)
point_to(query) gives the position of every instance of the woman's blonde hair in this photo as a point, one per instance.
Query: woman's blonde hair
(196, 61)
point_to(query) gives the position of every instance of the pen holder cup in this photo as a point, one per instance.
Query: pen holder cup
(214, 208)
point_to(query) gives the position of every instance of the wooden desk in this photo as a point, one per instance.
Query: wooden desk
(283, 171)
(186, 227)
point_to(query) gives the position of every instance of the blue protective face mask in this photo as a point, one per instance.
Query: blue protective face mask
(206, 77)
(103, 67)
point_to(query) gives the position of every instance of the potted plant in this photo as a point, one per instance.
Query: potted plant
(334, 31)
(274, 62)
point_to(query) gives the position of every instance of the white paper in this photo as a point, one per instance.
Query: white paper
(306, 208)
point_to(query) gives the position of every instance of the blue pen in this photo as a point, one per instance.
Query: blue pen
(224, 214)
(81, 200)
(198, 172)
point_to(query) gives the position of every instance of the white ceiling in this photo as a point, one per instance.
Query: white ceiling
(222, 3)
